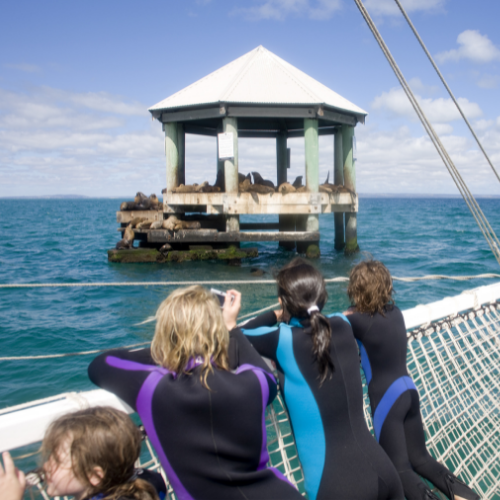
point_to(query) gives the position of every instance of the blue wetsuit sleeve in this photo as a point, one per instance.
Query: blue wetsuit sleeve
(265, 339)
(122, 372)
(266, 319)
(247, 355)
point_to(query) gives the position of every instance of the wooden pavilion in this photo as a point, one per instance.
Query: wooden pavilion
(261, 95)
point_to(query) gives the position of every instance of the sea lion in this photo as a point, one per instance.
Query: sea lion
(302, 189)
(257, 179)
(128, 205)
(184, 224)
(164, 191)
(241, 177)
(327, 178)
(156, 204)
(259, 188)
(286, 188)
(244, 186)
(326, 188)
(123, 244)
(129, 234)
(297, 182)
(157, 224)
(137, 220)
(165, 249)
(144, 225)
(170, 223)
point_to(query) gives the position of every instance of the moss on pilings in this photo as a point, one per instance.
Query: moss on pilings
(145, 255)
(313, 252)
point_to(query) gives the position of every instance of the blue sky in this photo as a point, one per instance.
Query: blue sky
(76, 79)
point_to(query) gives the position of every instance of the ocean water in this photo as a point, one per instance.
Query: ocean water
(65, 241)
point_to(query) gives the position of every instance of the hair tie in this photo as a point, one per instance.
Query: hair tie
(312, 309)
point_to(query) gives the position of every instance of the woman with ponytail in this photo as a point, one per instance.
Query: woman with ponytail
(318, 366)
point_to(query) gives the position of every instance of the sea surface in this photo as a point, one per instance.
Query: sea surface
(66, 241)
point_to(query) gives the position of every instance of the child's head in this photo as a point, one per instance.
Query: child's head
(302, 293)
(370, 287)
(189, 324)
(93, 451)
(300, 286)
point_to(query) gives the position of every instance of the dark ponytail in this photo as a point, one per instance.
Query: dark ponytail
(301, 287)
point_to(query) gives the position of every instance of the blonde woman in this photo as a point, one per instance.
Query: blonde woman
(205, 421)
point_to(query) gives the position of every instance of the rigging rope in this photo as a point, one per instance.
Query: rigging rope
(469, 199)
(339, 279)
(401, 8)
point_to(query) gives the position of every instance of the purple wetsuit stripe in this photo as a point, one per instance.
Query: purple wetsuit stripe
(133, 366)
(264, 455)
(145, 409)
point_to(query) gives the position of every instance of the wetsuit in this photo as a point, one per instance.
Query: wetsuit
(339, 457)
(210, 442)
(395, 404)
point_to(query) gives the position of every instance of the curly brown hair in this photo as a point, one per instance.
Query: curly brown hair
(370, 287)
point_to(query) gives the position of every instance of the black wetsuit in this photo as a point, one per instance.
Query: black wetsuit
(395, 404)
(340, 459)
(210, 442)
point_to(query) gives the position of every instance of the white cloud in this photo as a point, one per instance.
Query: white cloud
(27, 68)
(483, 124)
(489, 81)
(472, 46)
(390, 8)
(438, 110)
(280, 9)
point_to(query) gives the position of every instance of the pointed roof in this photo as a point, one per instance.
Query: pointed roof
(258, 78)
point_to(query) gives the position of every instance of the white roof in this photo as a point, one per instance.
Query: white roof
(258, 77)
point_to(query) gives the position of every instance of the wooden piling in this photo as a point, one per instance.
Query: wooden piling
(338, 179)
(172, 155)
(230, 125)
(351, 232)
(312, 180)
(286, 222)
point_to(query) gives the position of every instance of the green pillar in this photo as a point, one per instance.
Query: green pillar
(286, 221)
(338, 180)
(181, 148)
(172, 155)
(230, 125)
(351, 231)
(312, 182)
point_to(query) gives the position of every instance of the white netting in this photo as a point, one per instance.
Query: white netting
(455, 364)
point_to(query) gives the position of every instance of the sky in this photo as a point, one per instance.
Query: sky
(77, 78)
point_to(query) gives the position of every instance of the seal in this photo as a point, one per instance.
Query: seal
(297, 182)
(144, 225)
(170, 223)
(123, 244)
(286, 188)
(184, 224)
(129, 234)
(257, 179)
(157, 224)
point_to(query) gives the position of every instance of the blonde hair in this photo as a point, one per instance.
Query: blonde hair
(189, 324)
(100, 437)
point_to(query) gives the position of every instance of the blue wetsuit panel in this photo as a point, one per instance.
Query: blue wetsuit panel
(398, 387)
(304, 413)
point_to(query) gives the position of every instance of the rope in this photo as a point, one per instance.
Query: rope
(339, 279)
(68, 354)
(469, 199)
(446, 86)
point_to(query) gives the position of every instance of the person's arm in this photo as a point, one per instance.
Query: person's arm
(122, 372)
(12, 480)
(269, 318)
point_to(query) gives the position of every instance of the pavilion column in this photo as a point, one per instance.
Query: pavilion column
(230, 125)
(219, 181)
(181, 148)
(351, 231)
(312, 182)
(286, 221)
(172, 154)
(338, 180)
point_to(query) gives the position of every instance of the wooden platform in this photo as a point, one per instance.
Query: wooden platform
(214, 236)
(254, 203)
